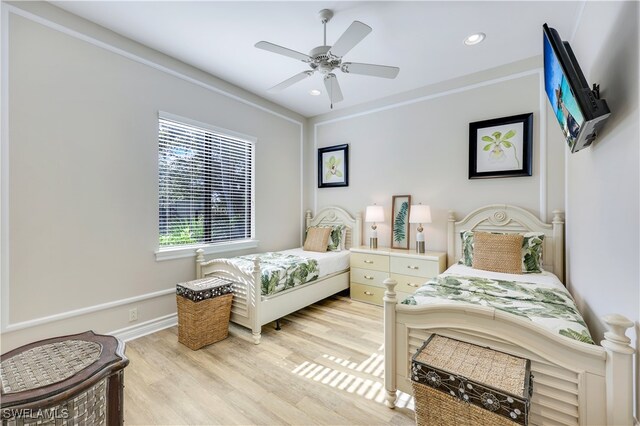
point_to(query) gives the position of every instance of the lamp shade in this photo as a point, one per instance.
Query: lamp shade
(374, 214)
(420, 214)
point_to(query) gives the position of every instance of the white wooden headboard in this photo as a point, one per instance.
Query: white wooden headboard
(510, 219)
(338, 216)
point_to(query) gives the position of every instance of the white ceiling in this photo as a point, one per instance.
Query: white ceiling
(424, 39)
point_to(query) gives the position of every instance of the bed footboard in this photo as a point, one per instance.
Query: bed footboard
(575, 383)
(245, 309)
(619, 370)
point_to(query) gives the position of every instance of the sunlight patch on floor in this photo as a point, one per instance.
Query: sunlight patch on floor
(373, 365)
(370, 389)
(404, 400)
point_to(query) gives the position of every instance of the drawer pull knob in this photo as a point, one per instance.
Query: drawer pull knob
(369, 277)
(368, 261)
(413, 285)
(368, 293)
(413, 267)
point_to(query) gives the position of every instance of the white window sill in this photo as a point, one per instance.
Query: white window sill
(190, 251)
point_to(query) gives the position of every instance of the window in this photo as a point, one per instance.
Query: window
(205, 185)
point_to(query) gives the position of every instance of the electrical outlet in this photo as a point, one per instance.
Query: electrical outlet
(133, 314)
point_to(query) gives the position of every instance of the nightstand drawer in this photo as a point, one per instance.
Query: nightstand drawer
(407, 283)
(367, 293)
(368, 277)
(415, 267)
(377, 262)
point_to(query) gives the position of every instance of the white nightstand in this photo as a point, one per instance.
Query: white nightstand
(370, 267)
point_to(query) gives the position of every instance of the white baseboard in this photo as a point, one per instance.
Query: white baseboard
(147, 327)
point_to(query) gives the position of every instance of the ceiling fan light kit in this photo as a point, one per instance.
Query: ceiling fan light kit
(326, 59)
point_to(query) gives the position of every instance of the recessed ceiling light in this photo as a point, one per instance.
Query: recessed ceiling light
(314, 92)
(474, 39)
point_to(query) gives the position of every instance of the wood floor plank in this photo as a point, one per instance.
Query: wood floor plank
(324, 367)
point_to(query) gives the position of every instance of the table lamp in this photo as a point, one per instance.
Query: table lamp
(374, 214)
(420, 214)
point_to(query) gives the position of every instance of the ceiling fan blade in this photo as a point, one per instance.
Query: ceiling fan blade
(370, 69)
(347, 41)
(265, 45)
(290, 82)
(333, 88)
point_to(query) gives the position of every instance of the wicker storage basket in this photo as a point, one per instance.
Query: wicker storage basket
(204, 309)
(457, 383)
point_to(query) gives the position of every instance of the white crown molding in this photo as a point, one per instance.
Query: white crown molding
(135, 331)
(435, 95)
(137, 58)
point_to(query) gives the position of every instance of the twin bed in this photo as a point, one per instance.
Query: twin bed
(576, 381)
(320, 275)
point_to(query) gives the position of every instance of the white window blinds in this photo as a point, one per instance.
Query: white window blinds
(205, 185)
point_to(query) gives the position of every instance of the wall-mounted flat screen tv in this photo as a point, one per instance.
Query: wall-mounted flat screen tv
(578, 109)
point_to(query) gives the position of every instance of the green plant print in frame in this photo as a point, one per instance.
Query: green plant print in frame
(498, 142)
(501, 147)
(333, 166)
(401, 204)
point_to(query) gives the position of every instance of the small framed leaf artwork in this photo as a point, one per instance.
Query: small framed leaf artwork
(400, 205)
(333, 166)
(501, 147)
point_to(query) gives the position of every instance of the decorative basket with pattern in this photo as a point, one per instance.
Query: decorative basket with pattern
(204, 309)
(457, 383)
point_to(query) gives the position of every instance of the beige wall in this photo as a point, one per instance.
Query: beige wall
(603, 180)
(83, 185)
(419, 144)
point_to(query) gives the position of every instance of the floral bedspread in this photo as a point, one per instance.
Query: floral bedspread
(547, 305)
(279, 271)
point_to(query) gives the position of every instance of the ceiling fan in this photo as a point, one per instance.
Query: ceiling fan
(325, 59)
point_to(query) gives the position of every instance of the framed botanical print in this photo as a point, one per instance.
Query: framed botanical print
(333, 166)
(400, 206)
(501, 147)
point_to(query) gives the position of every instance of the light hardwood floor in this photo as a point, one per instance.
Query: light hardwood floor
(324, 367)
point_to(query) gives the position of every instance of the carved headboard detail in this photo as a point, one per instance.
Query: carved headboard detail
(510, 219)
(337, 216)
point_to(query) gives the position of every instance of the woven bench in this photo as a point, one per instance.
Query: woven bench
(457, 383)
(204, 309)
